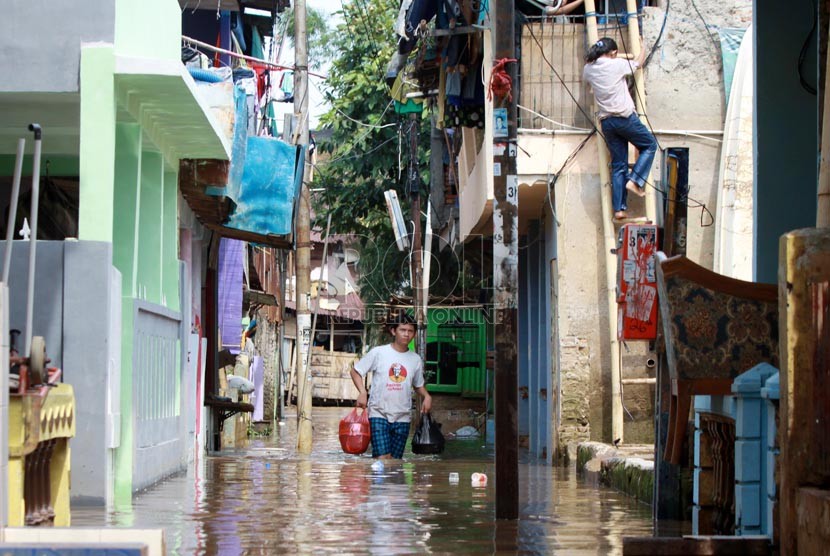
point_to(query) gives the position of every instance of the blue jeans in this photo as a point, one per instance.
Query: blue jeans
(619, 132)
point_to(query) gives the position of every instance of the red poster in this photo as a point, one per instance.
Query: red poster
(637, 282)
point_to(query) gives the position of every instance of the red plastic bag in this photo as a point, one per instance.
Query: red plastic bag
(355, 432)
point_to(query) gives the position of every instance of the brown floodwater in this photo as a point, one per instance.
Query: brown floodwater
(265, 498)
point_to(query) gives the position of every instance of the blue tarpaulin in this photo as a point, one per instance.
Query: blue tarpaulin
(264, 180)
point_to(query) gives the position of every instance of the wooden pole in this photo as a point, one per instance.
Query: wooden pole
(823, 212)
(804, 429)
(416, 262)
(506, 274)
(610, 245)
(667, 499)
(635, 44)
(303, 278)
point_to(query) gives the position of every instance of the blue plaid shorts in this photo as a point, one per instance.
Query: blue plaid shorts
(388, 438)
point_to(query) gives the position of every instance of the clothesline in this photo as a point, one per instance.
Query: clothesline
(233, 54)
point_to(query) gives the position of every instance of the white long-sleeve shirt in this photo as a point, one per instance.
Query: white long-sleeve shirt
(606, 76)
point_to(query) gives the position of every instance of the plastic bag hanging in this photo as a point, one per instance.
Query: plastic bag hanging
(355, 432)
(428, 438)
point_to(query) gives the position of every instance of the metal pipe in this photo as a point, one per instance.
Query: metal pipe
(10, 222)
(30, 291)
(690, 132)
(639, 381)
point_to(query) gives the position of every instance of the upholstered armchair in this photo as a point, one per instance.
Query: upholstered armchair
(715, 328)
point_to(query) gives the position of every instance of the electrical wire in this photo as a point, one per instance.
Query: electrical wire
(550, 120)
(373, 149)
(552, 183)
(803, 54)
(706, 27)
(636, 90)
(659, 35)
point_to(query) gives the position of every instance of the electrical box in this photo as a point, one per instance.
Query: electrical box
(637, 282)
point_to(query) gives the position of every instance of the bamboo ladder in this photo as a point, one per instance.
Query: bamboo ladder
(608, 226)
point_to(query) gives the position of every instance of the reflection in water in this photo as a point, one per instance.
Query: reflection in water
(266, 498)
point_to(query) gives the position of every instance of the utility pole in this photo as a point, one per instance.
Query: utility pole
(303, 234)
(506, 270)
(413, 186)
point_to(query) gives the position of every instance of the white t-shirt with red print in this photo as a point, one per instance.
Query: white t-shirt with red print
(395, 375)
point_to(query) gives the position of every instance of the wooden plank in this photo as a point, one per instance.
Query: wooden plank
(694, 546)
(813, 507)
(804, 267)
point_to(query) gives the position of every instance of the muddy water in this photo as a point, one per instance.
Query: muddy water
(267, 499)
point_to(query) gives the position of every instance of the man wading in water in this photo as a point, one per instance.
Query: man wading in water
(397, 371)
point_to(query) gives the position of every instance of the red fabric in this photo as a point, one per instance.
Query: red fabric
(500, 83)
(217, 61)
(261, 76)
(355, 432)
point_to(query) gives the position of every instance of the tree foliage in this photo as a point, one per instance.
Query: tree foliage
(362, 159)
(321, 40)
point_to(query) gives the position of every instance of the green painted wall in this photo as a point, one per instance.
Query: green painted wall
(126, 203)
(97, 144)
(150, 220)
(148, 29)
(58, 165)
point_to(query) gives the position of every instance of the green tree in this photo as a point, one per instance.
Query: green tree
(322, 44)
(362, 159)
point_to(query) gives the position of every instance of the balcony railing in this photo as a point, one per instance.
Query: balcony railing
(550, 79)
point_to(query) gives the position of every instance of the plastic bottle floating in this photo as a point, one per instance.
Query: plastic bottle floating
(377, 465)
(478, 480)
(453, 478)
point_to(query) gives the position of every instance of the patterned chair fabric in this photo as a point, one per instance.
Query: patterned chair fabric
(715, 328)
(713, 334)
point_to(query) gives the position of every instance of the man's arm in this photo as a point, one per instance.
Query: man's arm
(362, 396)
(641, 57)
(426, 405)
(564, 9)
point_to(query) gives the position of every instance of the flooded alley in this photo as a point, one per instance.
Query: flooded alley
(267, 499)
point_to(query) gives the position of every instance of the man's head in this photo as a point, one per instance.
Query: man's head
(402, 328)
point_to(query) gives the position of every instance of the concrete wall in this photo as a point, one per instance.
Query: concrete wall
(42, 41)
(48, 315)
(92, 344)
(77, 298)
(266, 342)
(685, 91)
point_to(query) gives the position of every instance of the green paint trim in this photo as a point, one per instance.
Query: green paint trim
(97, 144)
(148, 237)
(59, 165)
(170, 241)
(124, 453)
